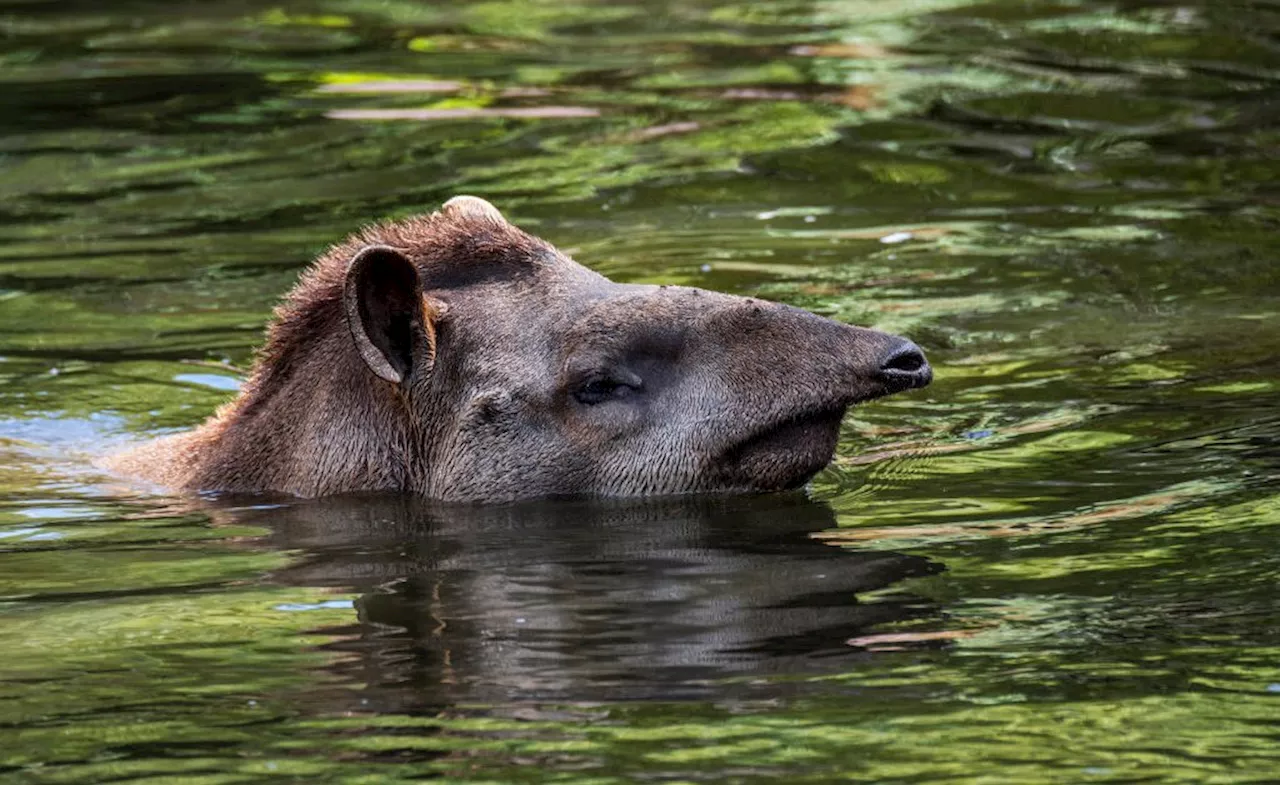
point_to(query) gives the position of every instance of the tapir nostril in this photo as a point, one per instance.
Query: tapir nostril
(908, 358)
(905, 366)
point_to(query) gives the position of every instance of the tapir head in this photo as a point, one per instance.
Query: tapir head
(530, 375)
(457, 357)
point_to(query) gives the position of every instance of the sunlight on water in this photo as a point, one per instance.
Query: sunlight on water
(1056, 564)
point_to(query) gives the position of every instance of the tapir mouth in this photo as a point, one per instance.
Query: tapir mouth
(787, 454)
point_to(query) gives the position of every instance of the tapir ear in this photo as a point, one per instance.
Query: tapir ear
(389, 319)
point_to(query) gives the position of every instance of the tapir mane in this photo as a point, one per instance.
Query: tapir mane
(449, 248)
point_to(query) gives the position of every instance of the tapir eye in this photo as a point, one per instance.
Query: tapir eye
(598, 389)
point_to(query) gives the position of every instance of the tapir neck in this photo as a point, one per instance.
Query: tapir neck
(320, 425)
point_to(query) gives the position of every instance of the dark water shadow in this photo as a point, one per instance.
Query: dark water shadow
(584, 600)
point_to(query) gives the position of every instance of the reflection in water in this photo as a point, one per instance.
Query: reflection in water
(579, 600)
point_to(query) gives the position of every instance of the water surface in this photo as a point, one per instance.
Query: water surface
(1059, 563)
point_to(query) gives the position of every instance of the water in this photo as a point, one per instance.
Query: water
(1056, 564)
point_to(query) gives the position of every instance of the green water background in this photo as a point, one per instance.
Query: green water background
(1059, 563)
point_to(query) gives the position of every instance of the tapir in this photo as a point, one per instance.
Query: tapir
(457, 357)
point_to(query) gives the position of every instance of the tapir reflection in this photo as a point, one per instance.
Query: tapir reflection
(578, 600)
